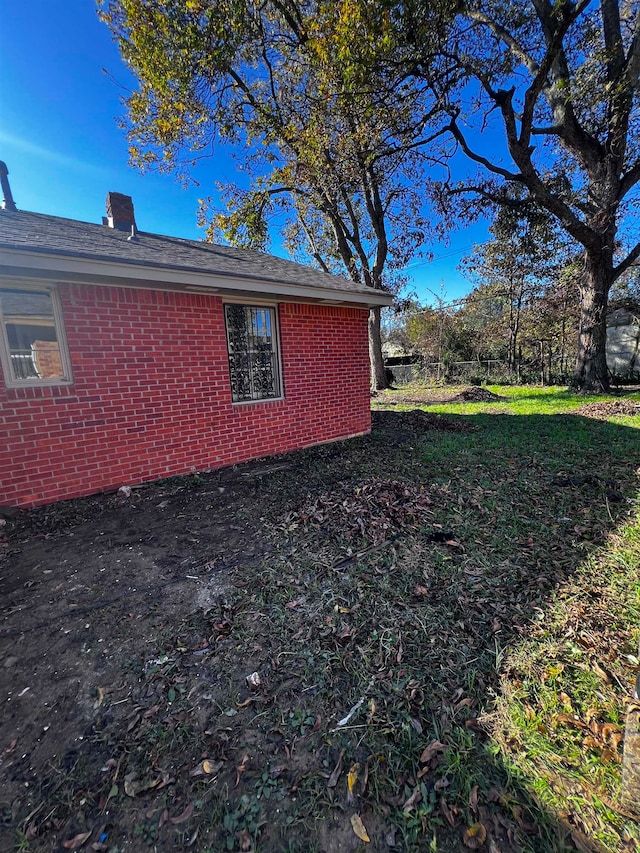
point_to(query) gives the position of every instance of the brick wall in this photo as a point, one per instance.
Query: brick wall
(46, 357)
(151, 395)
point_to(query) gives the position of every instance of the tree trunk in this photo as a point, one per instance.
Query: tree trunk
(590, 372)
(378, 370)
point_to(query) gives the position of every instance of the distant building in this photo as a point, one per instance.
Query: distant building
(623, 342)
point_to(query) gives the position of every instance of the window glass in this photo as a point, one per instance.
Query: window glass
(253, 352)
(29, 335)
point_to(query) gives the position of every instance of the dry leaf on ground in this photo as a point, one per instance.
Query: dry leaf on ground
(359, 828)
(475, 836)
(352, 778)
(337, 770)
(184, 816)
(433, 749)
(77, 841)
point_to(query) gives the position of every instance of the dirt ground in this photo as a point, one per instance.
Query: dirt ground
(123, 662)
(85, 584)
(90, 588)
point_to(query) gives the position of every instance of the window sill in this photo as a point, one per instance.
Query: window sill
(58, 392)
(41, 383)
(257, 402)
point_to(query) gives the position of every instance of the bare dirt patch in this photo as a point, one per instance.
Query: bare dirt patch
(438, 396)
(423, 397)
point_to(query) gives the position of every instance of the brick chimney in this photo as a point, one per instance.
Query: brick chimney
(120, 213)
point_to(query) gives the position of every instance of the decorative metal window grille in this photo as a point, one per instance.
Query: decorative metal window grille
(253, 352)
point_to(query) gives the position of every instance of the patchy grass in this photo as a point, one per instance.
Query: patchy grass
(517, 400)
(443, 619)
(559, 711)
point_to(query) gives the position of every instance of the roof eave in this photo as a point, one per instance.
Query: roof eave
(24, 263)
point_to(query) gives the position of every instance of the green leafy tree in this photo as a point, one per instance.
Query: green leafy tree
(334, 154)
(555, 87)
(524, 258)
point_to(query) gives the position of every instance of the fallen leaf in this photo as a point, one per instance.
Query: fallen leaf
(475, 836)
(608, 756)
(365, 776)
(412, 802)
(77, 841)
(134, 786)
(359, 828)
(473, 800)
(571, 721)
(241, 768)
(600, 672)
(134, 722)
(150, 712)
(420, 591)
(372, 710)
(346, 632)
(336, 772)
(433, 749)
(181, 818)
(448, 812)
(615, 739)
(566, 701)
(352, 778)
(608, 729)
(211, 767)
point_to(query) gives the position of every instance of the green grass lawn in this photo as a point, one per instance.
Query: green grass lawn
(557, 711)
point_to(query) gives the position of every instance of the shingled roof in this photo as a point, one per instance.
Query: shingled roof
(55, 237)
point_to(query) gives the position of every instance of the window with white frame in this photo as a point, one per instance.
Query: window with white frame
(32, 345)
(252, 344)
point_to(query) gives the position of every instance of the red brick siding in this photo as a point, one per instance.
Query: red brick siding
(151, 397)
(46, 355)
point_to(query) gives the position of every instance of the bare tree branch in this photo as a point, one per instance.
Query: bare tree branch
(629, 261)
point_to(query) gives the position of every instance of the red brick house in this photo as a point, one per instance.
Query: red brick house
(128, 356)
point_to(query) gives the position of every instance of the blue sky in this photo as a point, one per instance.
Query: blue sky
(64, 151)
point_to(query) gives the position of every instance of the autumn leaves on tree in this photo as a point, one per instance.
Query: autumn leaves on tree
(349, 117)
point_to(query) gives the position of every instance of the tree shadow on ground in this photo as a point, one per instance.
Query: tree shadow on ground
(419, 569)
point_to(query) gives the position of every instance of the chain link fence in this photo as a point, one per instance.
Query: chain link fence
(494, 371)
